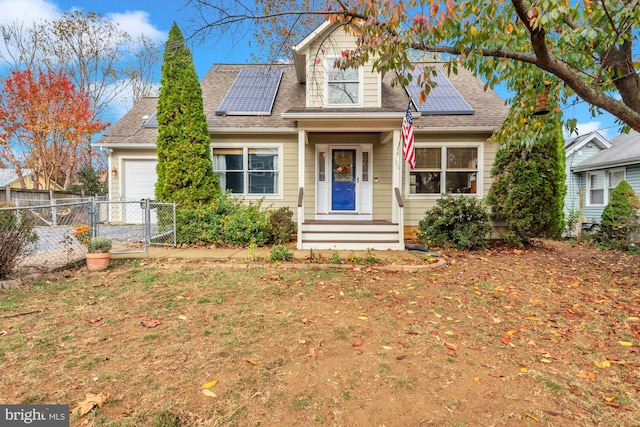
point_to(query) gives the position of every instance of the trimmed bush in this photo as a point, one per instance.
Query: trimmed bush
(227, 222)
(16, 237)
(282, 226)
(460, 222)
(619, 217)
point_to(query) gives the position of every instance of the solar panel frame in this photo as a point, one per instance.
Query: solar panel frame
(443, 99)
(152, 122)
(252, 93)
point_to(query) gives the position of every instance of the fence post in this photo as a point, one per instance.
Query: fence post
(147, 221)
(90, 218)
(54, 210)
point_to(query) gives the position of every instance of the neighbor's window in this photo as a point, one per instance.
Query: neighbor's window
(247, 170)
(444, 170)
(596, 188)
(343, 86)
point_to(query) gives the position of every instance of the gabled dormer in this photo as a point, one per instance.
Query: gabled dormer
(328, 86)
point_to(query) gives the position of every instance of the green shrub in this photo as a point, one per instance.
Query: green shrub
(460, 222)
(100, 244)
(16, 238)
(227, 221)
(282, 226)
(280, 253)
(619, 217)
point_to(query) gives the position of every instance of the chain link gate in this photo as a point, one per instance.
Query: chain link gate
(132, 226)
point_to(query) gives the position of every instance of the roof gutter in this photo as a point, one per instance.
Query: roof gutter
(343, 115)
(607, 165)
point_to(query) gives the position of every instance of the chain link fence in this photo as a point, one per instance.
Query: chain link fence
(36, 238)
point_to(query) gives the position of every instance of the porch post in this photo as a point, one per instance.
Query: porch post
(396, 175)
(302, 138)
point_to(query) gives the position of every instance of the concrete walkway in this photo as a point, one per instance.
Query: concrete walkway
(237, 254)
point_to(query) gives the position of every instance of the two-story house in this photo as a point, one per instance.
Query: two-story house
(327, 143)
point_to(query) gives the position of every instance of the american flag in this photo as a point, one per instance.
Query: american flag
(408, 149)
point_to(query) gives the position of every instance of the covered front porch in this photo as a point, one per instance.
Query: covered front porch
(349, 185)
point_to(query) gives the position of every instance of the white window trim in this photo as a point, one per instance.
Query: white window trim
(245, 146)
(329, 61)
(479, 178)
(606, 183)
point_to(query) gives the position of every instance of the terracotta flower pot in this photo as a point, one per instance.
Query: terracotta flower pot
(98, 261)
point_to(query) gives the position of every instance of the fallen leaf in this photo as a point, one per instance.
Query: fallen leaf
(357, 343)
(253, 362)
(625, 343)
(506, 340)
(3, 333)
(209, 393)
(386, 347)
(587, 376)
(91, 401)
(450, 346)
(182, 317)
(150, 323)
(302, 341)
(530, 416)
(362, 317)
(93, 319)
(604, 364)
(610, 398)
(401, 357)
(476, 379)
(210, 384)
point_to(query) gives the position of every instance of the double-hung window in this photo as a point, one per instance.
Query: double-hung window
(441, 170)
(248, 170)
(343, 86)
(600, 184)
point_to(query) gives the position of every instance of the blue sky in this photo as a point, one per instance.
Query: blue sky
(154, 19)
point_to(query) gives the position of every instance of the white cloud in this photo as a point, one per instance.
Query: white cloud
(27, 11)
(584, 128)
(136, 23)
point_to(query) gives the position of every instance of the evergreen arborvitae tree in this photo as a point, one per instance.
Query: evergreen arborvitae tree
(185, 170)
(529, 186)
(619, 217)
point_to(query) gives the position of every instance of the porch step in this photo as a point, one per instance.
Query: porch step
(351, 235)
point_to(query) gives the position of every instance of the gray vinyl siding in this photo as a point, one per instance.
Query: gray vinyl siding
(592, 214)
(576, 181)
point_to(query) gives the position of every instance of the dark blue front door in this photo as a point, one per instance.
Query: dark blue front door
(343, 187)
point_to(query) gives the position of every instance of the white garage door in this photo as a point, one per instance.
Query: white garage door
(139, 183)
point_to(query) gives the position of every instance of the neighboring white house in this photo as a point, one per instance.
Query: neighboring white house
(327, 143)
(595, 167)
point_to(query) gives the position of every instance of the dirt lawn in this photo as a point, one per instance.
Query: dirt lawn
(539, 337)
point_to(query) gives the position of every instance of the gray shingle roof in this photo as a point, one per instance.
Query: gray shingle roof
(624, 151)
(489, 108)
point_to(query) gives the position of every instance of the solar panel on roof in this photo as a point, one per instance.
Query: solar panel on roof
(252, 93)
(151, 122)
(443, 98)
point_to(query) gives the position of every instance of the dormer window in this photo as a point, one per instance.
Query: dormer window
(343, 86)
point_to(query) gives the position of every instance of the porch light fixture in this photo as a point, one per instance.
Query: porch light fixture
(114, 171)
